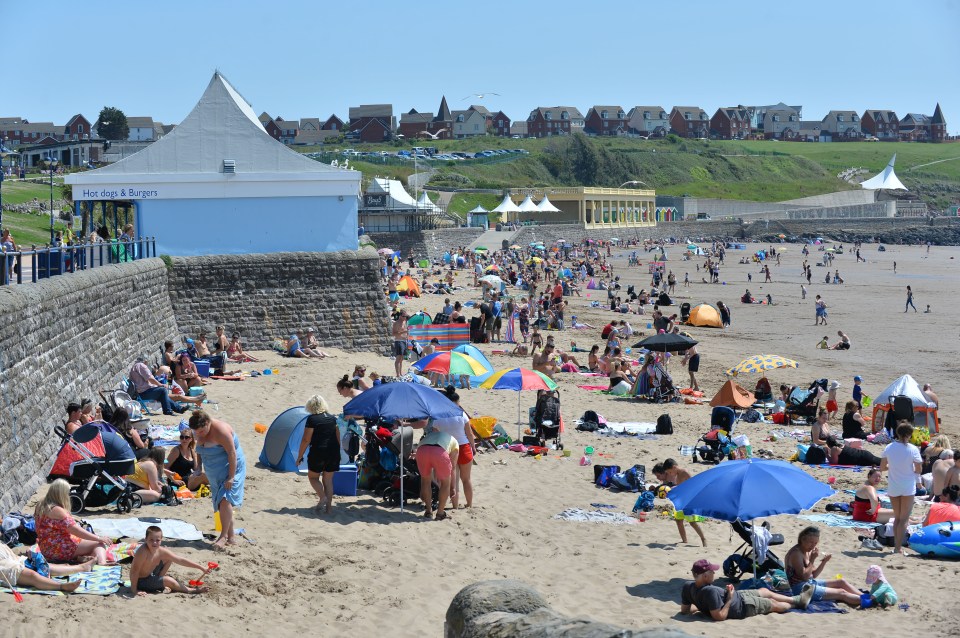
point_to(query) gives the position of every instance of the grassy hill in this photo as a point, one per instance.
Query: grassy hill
(750, 170)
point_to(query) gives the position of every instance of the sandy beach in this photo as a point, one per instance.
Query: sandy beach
(369, 569)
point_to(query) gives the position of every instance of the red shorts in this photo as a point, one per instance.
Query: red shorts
(831, 406)
(861, 512)
(434, 458)
(466, 454)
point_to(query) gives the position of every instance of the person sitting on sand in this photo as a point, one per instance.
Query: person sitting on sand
(520, 350)
(184, 461)
(823, 344)
(545, 362)
(186, 373)
(843, 343)
(947, 510)
(148, 475)
(235, 350)
(820, 430)
(148, 572)
(565, 358)
(866, 502)
(702, 595)
(853, 423)
(14, 571)
(313, 345)
(295, 349)
(346, 389)
(939, 470)
(803, 570)
(59, 537)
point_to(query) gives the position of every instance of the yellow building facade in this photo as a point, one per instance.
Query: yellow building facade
(590, 207)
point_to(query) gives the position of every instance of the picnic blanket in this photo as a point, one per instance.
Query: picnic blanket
(836, 520)
(137, 528)
(595, 516)
(632, 428)
(821, 607)
(102, 580)
(164, 435)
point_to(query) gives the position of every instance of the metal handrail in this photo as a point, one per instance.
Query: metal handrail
(72, 258)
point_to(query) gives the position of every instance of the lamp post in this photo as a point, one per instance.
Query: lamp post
(51, 163)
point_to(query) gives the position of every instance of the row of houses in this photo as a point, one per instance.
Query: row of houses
(377, 123)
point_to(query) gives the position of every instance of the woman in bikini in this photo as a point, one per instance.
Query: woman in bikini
(235, 350)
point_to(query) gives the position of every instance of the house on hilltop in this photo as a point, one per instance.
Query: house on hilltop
(372, 122)
(843, 125)
(605, 120)
(758, 114)
(469, 123)
(730, 123)
(781, 122)
(689, 121)
(938, 125)
(547, 121)
(648, 121)
(882, 124)
(501, 124)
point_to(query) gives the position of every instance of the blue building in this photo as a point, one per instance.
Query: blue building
(219, 184)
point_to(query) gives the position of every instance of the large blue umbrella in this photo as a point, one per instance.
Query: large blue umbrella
(392, 401)
(748, 489)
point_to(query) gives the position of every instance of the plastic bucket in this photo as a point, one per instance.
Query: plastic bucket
(866, 601)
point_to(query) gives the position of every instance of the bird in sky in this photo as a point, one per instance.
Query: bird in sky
(479, 96)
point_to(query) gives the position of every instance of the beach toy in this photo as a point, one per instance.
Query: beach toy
(649, 325)
(839, 576)
(866, 600)
(212, 566)
(831, 480)
(642, 517)
(260, 428)
(195, 583)
(567, 452)
(276, 370)
(17, 596)
(267, 371)
(584, 460)
(216, 522)
(940, 540)
(588, 450)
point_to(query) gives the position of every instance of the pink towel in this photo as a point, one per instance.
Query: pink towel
(594, 387)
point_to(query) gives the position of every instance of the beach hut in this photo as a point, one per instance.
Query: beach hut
(924, 412)
(705, 315)
(408, 286)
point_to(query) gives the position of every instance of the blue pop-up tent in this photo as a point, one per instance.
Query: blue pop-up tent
(282, 441)
(474, 352)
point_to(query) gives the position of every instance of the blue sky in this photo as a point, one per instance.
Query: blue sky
(298, 59)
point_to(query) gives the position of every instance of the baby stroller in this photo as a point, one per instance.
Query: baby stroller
(684, 312)
(803, 404)
(388, 452)
(712, 446)
(96, 477)
(547, 421)
(744, 559)
(662, 389)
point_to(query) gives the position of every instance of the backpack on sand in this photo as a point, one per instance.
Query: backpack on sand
(664, 424)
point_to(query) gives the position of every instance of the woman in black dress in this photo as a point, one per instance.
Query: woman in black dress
(853, 423)
(322, 435)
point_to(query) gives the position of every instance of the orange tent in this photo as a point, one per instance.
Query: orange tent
(733, 395)
(408, 286)
(705, 315)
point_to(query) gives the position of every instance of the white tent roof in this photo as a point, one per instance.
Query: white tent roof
(527, 206)
(546, 206)
(506, 206)
(887, 179)
(424, 203)
(480, 210)
(905, 386)
(395, 190)
(222, 126)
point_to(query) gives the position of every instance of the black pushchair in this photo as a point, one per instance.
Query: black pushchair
(712, 446)
(744, 559)
(547, 421)
(97, 481)
(389, 453)
(803, 404)
(662, 389)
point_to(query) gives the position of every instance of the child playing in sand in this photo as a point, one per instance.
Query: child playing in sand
(148, 573)
(823, 345)
(673, 474)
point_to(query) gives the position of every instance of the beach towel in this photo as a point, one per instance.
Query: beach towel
(216, 465)
(628, 429)
(595, 516)
(164, 435)
(836, 520)
(594, 388)
(821, 607)
(102, 580)
(137, 528)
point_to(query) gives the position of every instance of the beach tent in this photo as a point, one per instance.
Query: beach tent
(527, 206)
(473, 351)
(546, 206)
(732, 395)
(705, 315)
(408, 286)
(924, 412)
(282, 441)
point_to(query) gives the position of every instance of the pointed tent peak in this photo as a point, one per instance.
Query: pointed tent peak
(220, 82)
(527, 206)
(506, 206)
(886, 179)
(479, 210)
(546, 206)
(443, 113)
(937, 117)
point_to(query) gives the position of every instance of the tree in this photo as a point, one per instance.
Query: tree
(112, 124)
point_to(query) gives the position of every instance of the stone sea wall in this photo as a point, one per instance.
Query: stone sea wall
(269, 296)
(61, 340)
(430, 244)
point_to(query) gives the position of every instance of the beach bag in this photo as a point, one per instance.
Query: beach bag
(19, 528)
(752, 416)
(664, 424)
(815, 456)
(645, 502)
(632, 480)
(598, 470)
(603, 478)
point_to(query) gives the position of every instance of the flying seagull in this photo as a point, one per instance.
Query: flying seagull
(479, 96)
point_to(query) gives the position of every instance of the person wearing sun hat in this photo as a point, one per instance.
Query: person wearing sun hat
(858, 391)
(881, 593)
(702, 595)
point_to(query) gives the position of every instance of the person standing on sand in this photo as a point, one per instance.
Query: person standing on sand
(821, 310)
(691, 359)
(676, 475)
(903, 463)
(400, 333)
(909, 300)
(321, 435)
(226, 469)
(894, 267)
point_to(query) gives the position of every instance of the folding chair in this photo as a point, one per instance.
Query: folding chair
(484, 429)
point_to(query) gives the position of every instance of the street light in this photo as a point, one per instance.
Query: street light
(51, 163)
(632, 182)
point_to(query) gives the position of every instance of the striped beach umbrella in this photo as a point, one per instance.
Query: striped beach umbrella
(450, 363)
(761, 363)
(518, 379)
